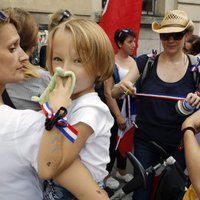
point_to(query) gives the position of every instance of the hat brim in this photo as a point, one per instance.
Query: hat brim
(156, 27)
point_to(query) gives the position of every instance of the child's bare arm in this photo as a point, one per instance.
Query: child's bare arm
(77, 179)
(56, 152)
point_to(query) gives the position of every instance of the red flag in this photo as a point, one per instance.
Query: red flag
(126, 143)
(121, 14)
(125, 137)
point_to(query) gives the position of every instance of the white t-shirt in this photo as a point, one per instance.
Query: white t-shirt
(90, 110)
(20, 134)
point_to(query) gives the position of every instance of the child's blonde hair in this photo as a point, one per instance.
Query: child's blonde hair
(92, 45)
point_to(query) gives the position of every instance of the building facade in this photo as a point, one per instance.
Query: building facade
(92, 9)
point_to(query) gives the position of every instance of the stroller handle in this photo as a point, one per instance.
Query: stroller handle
(139, 179)
(160, 150)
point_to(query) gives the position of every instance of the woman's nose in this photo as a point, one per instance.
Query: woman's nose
(22, 55)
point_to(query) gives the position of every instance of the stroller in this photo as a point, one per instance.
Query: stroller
(172, 182)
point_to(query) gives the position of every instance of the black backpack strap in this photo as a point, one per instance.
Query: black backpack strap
(7, 100)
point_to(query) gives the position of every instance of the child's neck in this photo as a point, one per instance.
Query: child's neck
(81, 93)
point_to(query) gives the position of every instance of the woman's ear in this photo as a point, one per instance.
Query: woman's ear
(120, 44)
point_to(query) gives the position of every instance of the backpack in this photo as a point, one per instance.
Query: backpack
(172, 184)
(194, 60)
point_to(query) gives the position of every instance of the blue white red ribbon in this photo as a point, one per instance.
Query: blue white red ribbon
(175, 98)
(62, 125)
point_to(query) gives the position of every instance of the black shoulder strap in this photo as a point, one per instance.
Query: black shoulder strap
(7, 100)
(116, 74)
(148, 65)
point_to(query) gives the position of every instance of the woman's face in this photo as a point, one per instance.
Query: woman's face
(11, 55)
(64, 55)
(128, 45)
(173, 42)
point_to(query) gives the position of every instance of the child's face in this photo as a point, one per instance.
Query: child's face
(64, 55)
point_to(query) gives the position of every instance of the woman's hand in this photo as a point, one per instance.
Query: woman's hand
(127, 87)
(193, 99)
(121, 122)
(124, 87)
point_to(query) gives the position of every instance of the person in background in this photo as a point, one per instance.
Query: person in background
(192, 45)
(125, 41)
(56, 18)
(36, 78)
(80, 46)
(21, 131)
(157, 119)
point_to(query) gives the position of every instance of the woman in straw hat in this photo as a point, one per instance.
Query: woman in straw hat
(170, 74)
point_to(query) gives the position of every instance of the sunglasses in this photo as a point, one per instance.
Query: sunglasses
(3, 17)
(124, 31)
(65, 15)
(176, 36)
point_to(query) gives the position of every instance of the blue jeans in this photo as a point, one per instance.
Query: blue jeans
(53, 191)
(148, 156)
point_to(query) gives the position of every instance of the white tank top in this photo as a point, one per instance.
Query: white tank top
(122, 72)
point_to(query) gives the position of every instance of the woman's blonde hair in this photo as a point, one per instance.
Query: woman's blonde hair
(91, 44)
(28, 31)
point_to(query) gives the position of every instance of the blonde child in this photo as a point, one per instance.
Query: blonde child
(80, 46)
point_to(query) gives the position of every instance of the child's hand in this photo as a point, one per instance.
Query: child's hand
(60, 96)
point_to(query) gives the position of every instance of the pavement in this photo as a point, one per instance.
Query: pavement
(129, 170)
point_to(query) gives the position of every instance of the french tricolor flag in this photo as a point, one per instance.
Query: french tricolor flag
(69, 132)
(62, 125)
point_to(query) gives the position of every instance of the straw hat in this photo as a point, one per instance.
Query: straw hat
(174, 21)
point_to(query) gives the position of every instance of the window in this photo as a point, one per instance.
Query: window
(148, 7)
(103, 3)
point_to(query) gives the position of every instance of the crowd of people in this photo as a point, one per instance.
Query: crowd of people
(38, 160)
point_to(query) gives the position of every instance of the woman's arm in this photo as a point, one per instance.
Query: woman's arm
(127, 83)
(192, 150)
(77, 179)
(112, 103)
